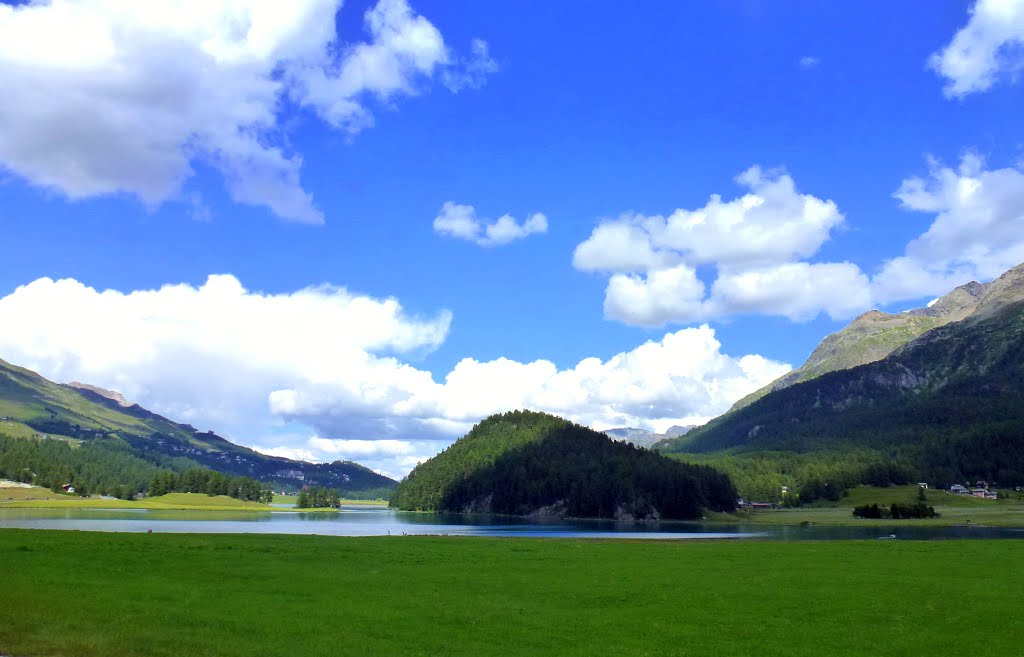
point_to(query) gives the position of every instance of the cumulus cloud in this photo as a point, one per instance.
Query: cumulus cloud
(683, 378)
(323, 373)
(115, 96)
(976, 234)
(797, 290)
(659, 297)
(461, 222)
(211, 354)
(757, 244)
(990, 47)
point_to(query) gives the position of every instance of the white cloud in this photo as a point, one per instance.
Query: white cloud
(623, 245)
(977, 232)
(116, 96)
(683, 378)
(797, 290)
(988, 48)
(808, 62)
(756, 243)
(472, 72)
(662, 296)
(769, 224)
(363, 447)
(319, 373)
(294, 453)
(461, 222)
(211, 354)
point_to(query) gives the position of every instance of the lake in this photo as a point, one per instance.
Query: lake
(380, 521)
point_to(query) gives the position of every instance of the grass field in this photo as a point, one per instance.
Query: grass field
(115, 595)
(954, 510)
(41, 498)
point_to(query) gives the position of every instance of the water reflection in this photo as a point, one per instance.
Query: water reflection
(377, 521)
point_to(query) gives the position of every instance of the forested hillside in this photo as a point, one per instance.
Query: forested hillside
(874, 335)
(948, 407)
(525, 463)
(102, 428)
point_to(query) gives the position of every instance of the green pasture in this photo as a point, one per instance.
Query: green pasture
(954, 509)
(861, 495)
(41, 498)
(178, 595)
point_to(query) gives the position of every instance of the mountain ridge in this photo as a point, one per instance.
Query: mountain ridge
(874, 335)
(947, 407)
(30, 404)
(944, 407)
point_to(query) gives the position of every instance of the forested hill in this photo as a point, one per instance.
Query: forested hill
(524, 463)
(133, 439)
(947, 407)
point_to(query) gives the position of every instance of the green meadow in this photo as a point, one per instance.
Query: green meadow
(41, 498)
(112, 595)
(954, 509)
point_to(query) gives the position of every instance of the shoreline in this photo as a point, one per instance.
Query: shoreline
(36, 498)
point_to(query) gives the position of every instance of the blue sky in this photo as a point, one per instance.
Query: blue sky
(308, 161)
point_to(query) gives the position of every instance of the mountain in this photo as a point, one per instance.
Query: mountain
(644, 438)
(947, 406)
(81, 414)
(874, 335)
(527, 463)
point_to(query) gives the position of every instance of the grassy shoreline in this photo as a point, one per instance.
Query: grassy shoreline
(1009, 516)
(955, 510)
(41, 498)
(119, 595)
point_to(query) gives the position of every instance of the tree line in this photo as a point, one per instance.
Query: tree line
(318, 497)
(896, 511)
(99, 467)
(107, 466)
(211, 482)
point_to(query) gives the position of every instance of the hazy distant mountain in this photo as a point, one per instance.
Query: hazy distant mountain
(644, 438)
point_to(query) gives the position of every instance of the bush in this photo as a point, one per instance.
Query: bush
(918, 510)
(896, 511)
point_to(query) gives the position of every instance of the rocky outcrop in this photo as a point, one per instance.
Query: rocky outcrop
(112, 395)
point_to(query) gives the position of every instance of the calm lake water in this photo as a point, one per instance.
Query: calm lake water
(378, 521)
